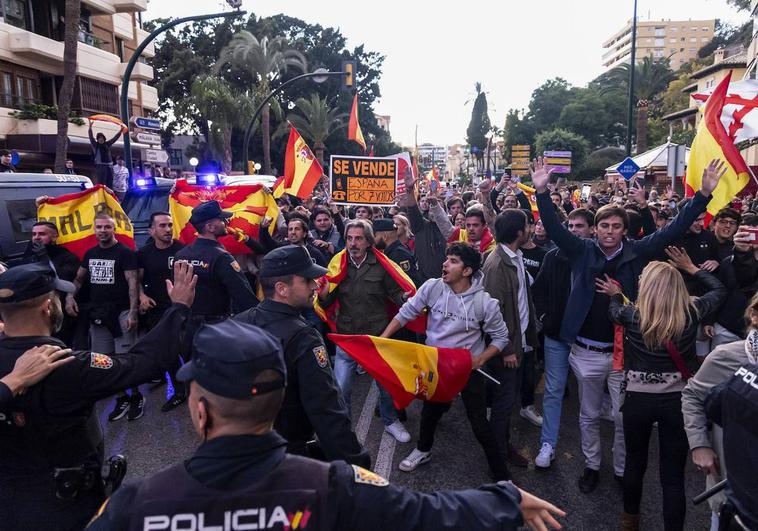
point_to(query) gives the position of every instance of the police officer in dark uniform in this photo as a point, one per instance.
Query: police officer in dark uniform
(51, 446)
(386, 240)
(312, 401)
(242, 478)
(221, 286)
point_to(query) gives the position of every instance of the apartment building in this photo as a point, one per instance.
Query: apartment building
(31, 73)
(677, 40)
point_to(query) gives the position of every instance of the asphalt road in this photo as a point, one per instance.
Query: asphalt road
(160, 439)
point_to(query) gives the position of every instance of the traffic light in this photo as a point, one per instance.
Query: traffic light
(348, 78)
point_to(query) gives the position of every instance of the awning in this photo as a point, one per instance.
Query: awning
(654, 158)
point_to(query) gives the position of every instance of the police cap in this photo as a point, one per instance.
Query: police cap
(290, 260)
(207, 211)
(384, 225)
(229, 355)
(27, 281)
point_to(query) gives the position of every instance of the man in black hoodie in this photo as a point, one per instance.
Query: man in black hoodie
(430, 245)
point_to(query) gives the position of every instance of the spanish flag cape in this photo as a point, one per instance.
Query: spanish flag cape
(409, 370)
(336, 273)
(486, 244)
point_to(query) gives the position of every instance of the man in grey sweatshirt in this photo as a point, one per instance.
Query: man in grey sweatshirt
(460, 315)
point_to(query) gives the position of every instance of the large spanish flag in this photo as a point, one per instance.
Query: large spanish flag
(337, 271)
(249, 203)
(74, 215)
(302, 171)
(409, 370)
(354, 127)
(713, 142)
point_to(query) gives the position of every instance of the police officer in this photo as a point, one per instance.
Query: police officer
(221, 287)
(242, 478)
(51, 446)
(311, 400)
(386, 240)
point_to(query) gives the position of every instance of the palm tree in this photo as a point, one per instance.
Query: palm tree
(651, 79)
(316, 123)
(223, 110)
(66, 94)
(266, 59)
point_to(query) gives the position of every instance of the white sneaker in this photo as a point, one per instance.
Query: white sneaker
(398, 431)
(530, 414)
(414, 459)
(545, 457)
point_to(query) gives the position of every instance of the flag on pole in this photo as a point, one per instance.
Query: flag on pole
(249, 204)
(278, 188)
(336, 273)
(737, 117)
(354, 127)
(74, 215)
(432, 174)
(409, 370)
(713, 142)
(302, 171)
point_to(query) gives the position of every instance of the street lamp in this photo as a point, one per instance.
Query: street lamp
(630, 111)
(133, 62)
(319, 76)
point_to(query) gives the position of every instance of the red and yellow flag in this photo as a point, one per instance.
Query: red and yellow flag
(74, 215)
(409, 370)
(432, 174)
(529, 191)
(713, 142)
(278, 188)
(337, 271)
(354, 127)
(302, 171)
(249, 203)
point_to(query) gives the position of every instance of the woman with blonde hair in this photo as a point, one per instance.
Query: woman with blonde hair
(659, 357)
(404, 232)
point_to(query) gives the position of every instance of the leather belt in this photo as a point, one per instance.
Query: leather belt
(604, 350)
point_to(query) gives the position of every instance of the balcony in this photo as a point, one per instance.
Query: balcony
(123, 26)
(100, 7)
(149, 97)
(141, 36)
(129, 6)
(141, 71)
(37, 46)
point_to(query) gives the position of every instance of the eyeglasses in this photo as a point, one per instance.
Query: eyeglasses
(727, 221)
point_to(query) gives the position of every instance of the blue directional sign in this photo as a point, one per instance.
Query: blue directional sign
(628, 168)
(148, 123)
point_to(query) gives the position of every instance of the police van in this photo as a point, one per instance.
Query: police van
(18, 211)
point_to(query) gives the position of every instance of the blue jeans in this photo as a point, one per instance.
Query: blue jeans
(344, 369)
(556, 374)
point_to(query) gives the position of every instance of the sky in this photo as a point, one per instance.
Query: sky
(436, 52)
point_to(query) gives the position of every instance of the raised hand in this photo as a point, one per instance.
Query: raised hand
(637, 194)
(681, 260)
(182, 289)
(711, 176)
(540, 173)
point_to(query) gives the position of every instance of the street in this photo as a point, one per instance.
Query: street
(158, 440)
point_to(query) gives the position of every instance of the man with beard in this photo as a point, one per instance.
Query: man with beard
(51, 445)
(297, 234)
(312, 403)
(156, 260)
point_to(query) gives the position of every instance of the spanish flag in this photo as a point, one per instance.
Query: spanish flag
(354, 127)
(409, 370)
(713, 142)
(337, 271)
(302, 171)
(278, 188)
(432, 174)
(74, 215)
(529, 191)
(249, 203)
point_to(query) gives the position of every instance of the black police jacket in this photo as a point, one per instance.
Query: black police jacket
(229, 475)
(312, 401)
(221, 286)
(402, 256)
(54, 424)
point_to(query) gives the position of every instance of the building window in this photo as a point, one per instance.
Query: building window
(658, 54)
(175, 157)
(681, 49)
(693, 50)
(6, 89)
(694, 28)
(682, 39)
(693, 39)
(660, 32)
(120, 50)
(95, 96)
(709, 83)
(17, 13)
(26, 90)
(706, 29)
(673, 28)
(672, 50)
(704, 39)
(672, 40)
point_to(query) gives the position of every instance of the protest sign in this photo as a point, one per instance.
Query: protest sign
(363, 180)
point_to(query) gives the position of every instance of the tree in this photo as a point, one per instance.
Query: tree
(479, 124)
(740, 5)
(223, 110)
(651, 79)
(562, 140)
(518, 129)
(596, 162)
(66, 94)
(548, 101)
(316, 122)
(265, 59)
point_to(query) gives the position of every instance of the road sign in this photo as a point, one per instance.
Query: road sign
(559, 154)
(147, 138)
(521, 147)
(147, 123)
(628, 168)
(156, 155)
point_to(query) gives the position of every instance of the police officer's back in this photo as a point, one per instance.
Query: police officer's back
(385, 234)
(242, 474)
(311, 401)
(221, 287)
(52, 430)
